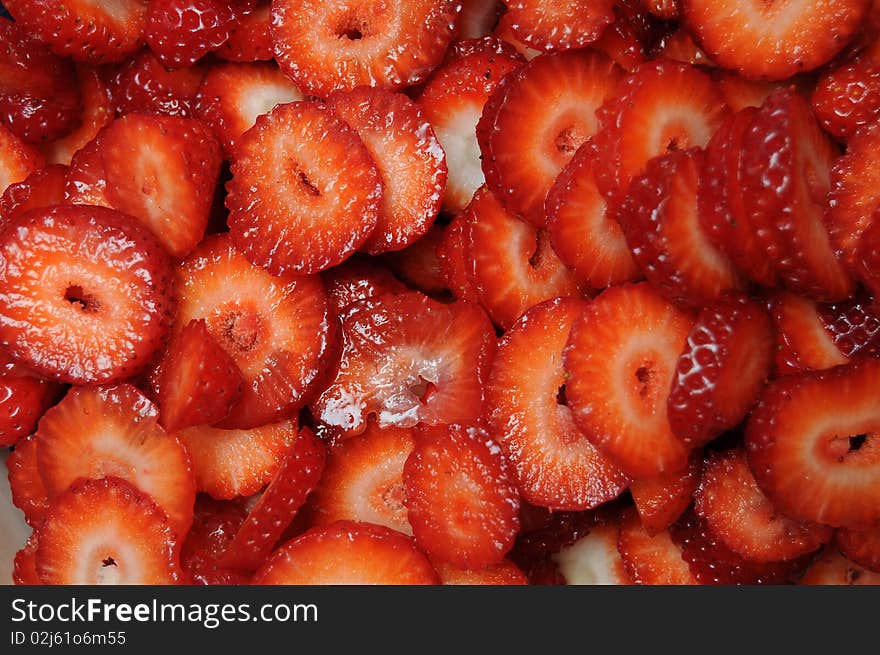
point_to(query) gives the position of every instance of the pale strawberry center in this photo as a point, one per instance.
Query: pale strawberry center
(79, 297)
(858, 448)
(239, 329)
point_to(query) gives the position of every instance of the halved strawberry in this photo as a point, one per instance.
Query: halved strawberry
(107, 532)
(559, 24)
(94, 32)
(232, 463)
(504, 31)
(477, 18)
(84, 293)
(305, 192)
(802, 342)
(452, 102)
(513, 265)
(25, 482)
(847, 98)
(832, 568)
(504, 573)
(553, 463)
(232, 96)
(620, 361)
(418, 265)
(534, 122)
(159, 169)
(347, 553)
(199, 383)
(814, 447)
(774, 40)
(181, 32)
(143, 84)
(460, 500)
(17, 159)
(724, 366)
(358, 279)
(594, 558)
(410, 160)
(24, 567)
(23, 400)
(363, 479)
(743, 518)
(651, 557)
(407, 359)
(277, 329)
(861, 546)
(294, 480)
(454, 260)
(249, 37)
(114, 431)
(214, 525)
(661, 501)
(42, 188)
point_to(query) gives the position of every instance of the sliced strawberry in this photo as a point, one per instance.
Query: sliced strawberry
(159, 169)
(231, 463)
(84, 293)
(545, 534)
(24, 567)
(411, 162)
(17, 159)
(358, 279)
(347, 553)
(23, 400)
(535, 121)
(328, 46)
(740, 92)
(629, 38)
(113, 431)
(665, 9)
(181, 32)
(28, 491)
(594, 559)
(743, 518)
(802, 342)
(200, 382)
(460, 500)
(143, 84)
(784, 182)
(775, 40)
(504, 31)
(662, 106)
(649, 557)
(454, 260)
(452, 101)
(661, 501)
(724, 366)
(868, 256)
(296, 477)
(513, 265)
(249, 37)
(620, 360)
(486, 45)
(847, 98)
(813, 445)
(504, 573)
(680, 46)
(407, 359)
(277, 329)
(854, 325)
(107, 532)
(214, 525)
(418, 265)
(861, 546)
(553, 463)
(363, 480)
(302, 205)
(478, 18)
(42, 188)
(94, 32)
(559, 24)
(832, 568)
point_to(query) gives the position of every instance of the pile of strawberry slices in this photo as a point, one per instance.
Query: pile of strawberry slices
(441, 291)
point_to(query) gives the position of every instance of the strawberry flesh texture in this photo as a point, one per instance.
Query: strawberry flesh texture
(214, 526)
(803, 340)
(17, 158)
(249, 37)
(832, 568)
(24, 567)
(418, 266)
(142, 84)
(181, 32)
(23, 400)
(537, 22)
(854, 325)
(847, 98)
(661, 501)
(651, 558)
(26, 483)
(42, 188)
(861, 546)
(358, 279)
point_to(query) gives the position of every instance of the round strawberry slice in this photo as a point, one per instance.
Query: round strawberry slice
(553, 463)
(358, 279)
(411, 163)
(305, 192)
(661, 501)
(620, 362)
(181, 32)
(813, 445)
(25, 482)
(407, 359)
(17, 159)
(559, 24)
(105, 532)
(114, 431)
(347, 553)
(773, 40)
(802, 342)
(326, 46)
(651, 558)
(143, 84)
(723, 367)
(42, 188)
(535, 121)
(214, 525)
(861, 546)
(85, 293)
(834, 569)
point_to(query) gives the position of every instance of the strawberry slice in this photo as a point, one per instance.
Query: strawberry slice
(594, 559)
(505, 573)
(23, 400)
(42, 188)
(680, 46)
(651, 558)
(407, 359)
(28, 491)
(513, 265)
(861, 546)
(249, 37)
(304, 204)
(665, 9)
(773, 40)
(363, 480)
(143, 84)
(347, 553)
(231, 463)
(740, 92)
(660, 220)
(276, 329)
(410, 160)
(535, 121)
(724, 366)
(620, 360)
(452, 102)
(114, 431)
(214, 526)
(84, 295)
(813, 448)
(24, 567)
(582, 231)
(232, 96)
(181, 32)
(199, 383)
(460, 500)
(453, 259)
(559, 24)
(294, 480)
(802, 342)
(743, 518)
(847, 98)
(358, 279)
(160, 169)
(504, 31)
(17, 159)
(418, 265)
(868, 256)
(477, 18)
(94, 32)
(661, 501)
(107, 532)
(330, 46)
(854, 325)
(553, 463)
(832, 568)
